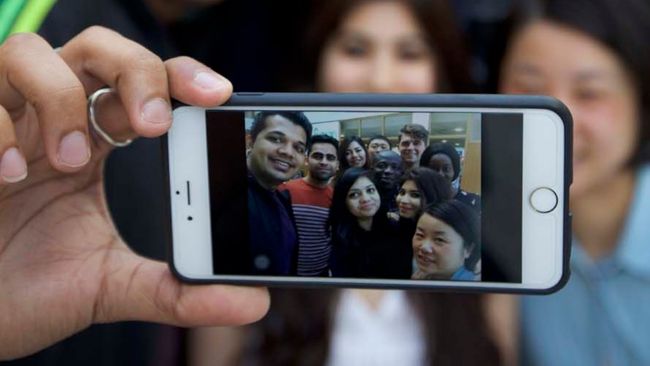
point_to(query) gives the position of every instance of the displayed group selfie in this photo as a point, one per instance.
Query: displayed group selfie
(359, 195)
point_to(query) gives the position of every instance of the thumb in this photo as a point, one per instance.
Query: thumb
(143, 289)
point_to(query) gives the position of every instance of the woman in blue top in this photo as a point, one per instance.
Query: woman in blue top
(594, 55)
(446, 244)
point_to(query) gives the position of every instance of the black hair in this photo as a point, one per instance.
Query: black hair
(623, 27)
(344, 146)
(465, 221)
(298, 118)
(381, 137)
(433, 187)
(324, 139)
(414, 130)
(442, 148)
(340, 220)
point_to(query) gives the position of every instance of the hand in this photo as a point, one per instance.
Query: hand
(63, 266)
(393, 216)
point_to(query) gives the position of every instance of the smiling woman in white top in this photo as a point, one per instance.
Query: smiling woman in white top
(373, 46)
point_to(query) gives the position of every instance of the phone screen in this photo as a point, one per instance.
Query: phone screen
(383, 195)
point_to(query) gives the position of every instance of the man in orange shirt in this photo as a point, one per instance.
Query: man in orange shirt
(311, 198)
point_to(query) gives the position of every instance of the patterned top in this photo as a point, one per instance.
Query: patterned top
(311, 206)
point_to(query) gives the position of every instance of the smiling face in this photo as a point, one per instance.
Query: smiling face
(409, 200)
(547, 58)
(380, 47)
(411, 148)
(437, 248)
(277, 152)
(322, 162)
(355, 155)
(363, 199)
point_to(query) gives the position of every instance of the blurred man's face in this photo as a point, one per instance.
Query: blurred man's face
(323, 162)
(277, 152)
(380, 47)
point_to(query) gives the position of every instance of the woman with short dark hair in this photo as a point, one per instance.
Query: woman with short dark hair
(447, 242)
(594, 55)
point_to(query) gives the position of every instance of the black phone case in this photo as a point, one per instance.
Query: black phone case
(255, 99)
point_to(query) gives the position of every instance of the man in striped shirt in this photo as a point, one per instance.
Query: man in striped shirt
(311, 198)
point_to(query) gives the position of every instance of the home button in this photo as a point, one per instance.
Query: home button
(543, 200)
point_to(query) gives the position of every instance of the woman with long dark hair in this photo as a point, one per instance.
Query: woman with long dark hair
(594, 55)
(364, 245)
(353, 153)
(419, 188)
(399, 46)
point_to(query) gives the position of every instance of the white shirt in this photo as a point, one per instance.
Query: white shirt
(389, 335)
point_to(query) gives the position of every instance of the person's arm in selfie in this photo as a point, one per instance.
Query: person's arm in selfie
(63, 266)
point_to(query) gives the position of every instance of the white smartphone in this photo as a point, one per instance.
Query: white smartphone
(233, 218)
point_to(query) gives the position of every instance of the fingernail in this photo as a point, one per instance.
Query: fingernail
(208, 81)
(157, 111)
(13, 167)
(73, 150)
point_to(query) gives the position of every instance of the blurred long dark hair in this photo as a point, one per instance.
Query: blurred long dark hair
(298, 329)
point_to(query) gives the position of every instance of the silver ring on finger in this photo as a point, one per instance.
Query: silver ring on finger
(92, 100)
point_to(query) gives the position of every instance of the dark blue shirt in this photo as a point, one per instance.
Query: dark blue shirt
(272, 232)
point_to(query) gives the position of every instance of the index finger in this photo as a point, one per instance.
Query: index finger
(100, 57)
(141, 79)
(31, 72)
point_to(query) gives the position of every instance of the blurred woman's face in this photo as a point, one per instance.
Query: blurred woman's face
(547, 58)
(409, 200)
(438, 249)
(363, 199)
(380, 47)
(355, 155)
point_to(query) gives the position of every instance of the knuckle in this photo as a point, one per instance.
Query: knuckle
(93, 37)
(21, 42)
(96, 31)
(142, 59)
(65, 96)
(181, 59)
